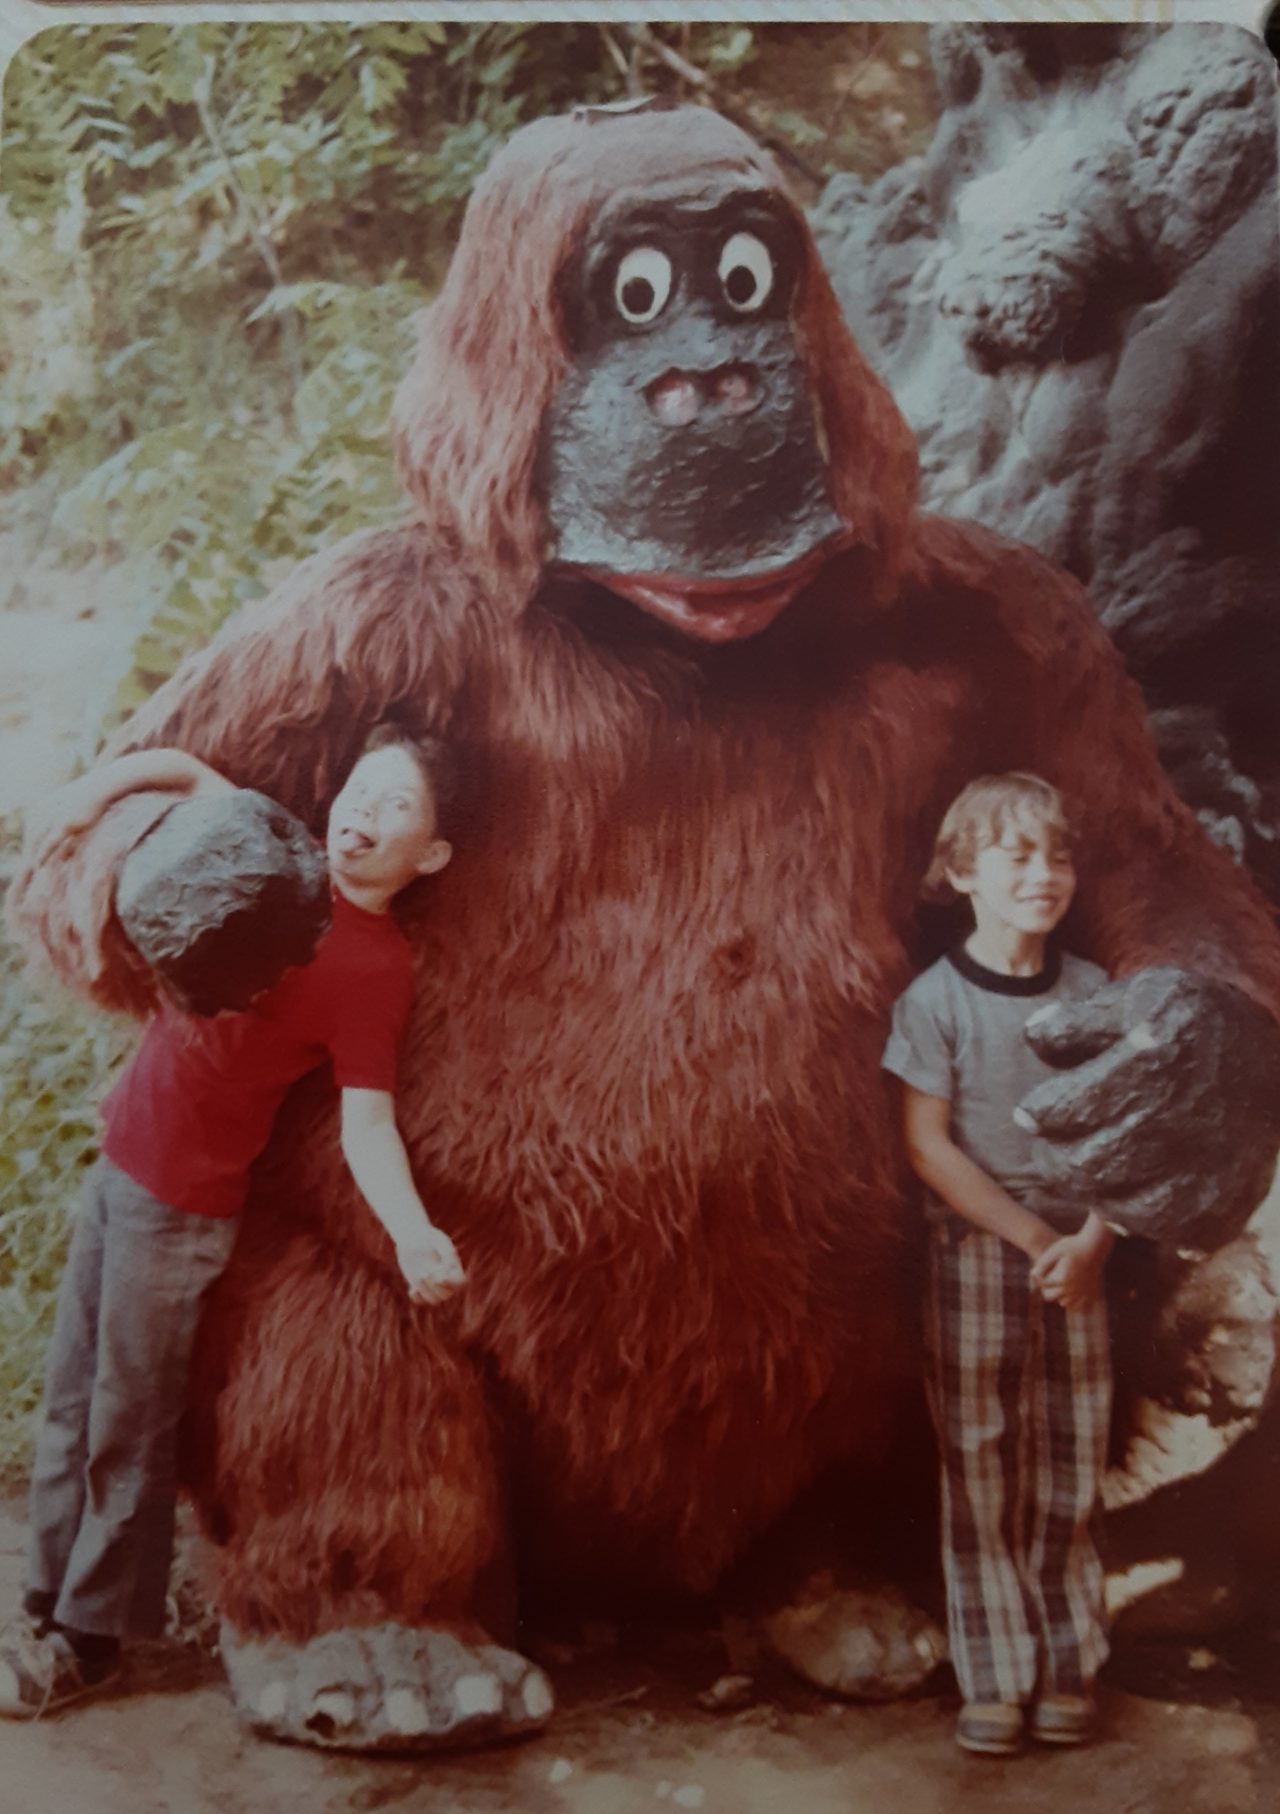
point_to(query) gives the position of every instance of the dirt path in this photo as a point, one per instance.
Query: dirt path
(630, 1738)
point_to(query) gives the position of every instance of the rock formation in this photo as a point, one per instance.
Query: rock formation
(1075, 297)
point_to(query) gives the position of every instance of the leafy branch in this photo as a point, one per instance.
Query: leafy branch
(202, 96)
(740, 112)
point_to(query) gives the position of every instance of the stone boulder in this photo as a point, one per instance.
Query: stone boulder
(1075, 297)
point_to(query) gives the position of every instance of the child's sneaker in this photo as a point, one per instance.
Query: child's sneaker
(990, 1728)
(1064, 1719)
(41, 1671)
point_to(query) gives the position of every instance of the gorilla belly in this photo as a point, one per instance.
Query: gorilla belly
(679, 1221)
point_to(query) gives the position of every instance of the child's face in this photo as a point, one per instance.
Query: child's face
(382, 826)
(1022, 883)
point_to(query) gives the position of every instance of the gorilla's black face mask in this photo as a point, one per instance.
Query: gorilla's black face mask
(681, 461)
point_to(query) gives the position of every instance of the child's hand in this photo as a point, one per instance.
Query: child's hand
(1070, 1272)
(431, 1267)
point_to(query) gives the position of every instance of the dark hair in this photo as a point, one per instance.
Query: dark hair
(437, 763)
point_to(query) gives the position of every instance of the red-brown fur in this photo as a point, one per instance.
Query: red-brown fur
(642, 1084)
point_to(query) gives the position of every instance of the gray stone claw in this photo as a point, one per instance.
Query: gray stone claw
(385, 1688)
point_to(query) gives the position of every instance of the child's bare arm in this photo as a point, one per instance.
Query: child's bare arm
(81, 803)
(954, 1177)
(375, 1154)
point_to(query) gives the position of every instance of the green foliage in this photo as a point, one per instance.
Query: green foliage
(57, 1061)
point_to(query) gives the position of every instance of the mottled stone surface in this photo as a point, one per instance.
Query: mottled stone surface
(1075, 298)
(224, 896)
(866, 1645)
(1165, 1117)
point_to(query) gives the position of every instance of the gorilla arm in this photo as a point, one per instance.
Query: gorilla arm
(1166, 1116)
(278, 702)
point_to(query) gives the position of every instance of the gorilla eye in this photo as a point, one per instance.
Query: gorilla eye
(746, 273)
(643, 284)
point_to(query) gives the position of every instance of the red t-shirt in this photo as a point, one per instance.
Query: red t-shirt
(197, 1102)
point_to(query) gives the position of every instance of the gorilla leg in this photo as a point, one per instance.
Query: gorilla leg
(342, 1463)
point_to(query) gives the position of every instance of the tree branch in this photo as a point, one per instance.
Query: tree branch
(624, 69)
(737, 111)
(203, 95)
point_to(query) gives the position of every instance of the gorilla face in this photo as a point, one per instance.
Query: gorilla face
(680, 462)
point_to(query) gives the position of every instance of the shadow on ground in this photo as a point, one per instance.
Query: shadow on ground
(1188, 1731)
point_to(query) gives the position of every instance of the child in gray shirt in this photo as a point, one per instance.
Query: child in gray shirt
(1016, 1331)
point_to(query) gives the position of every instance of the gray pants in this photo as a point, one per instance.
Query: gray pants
(103, 1486)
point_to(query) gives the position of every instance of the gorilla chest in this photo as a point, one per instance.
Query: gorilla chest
(695, 961)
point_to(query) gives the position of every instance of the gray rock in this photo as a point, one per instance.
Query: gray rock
(1131, 1051)
(864, 1644)
(728, 1694)
(1075, 298)
(222, 897)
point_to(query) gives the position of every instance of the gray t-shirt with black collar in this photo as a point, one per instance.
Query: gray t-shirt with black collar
(959, 1033)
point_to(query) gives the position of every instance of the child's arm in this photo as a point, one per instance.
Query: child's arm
(81, 803)
(374, 1151)
(954, 1177)
(1070, 1272)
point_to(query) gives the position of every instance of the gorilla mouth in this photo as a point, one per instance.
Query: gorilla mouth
(716, 611)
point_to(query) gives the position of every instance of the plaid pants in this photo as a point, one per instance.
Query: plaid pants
(1020, 1392)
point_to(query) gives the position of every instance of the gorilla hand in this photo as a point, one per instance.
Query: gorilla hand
(227, 893)
(1167, 1117)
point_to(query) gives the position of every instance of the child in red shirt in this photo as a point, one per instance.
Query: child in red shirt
(191, 1113)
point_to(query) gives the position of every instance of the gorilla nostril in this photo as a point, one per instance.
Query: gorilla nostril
(737, 389)
(675, 399)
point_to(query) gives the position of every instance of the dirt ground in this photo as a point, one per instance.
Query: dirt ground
(1202, 1737)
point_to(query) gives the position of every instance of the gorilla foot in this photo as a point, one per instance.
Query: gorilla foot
(385, 1688)
(869, 1644)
